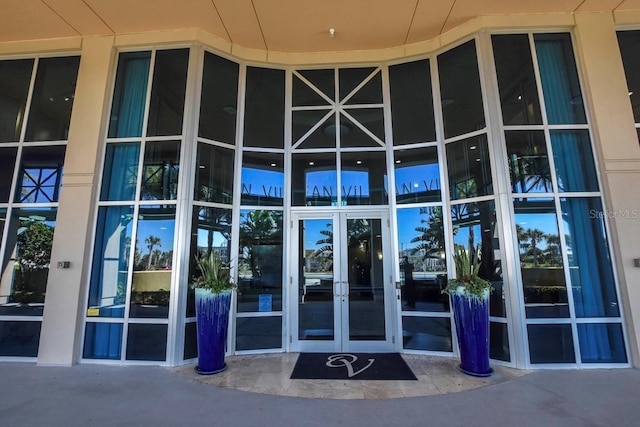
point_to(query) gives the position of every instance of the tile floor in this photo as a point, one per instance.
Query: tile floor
(269, 374)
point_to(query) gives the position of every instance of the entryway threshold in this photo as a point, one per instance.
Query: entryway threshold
(269, 374)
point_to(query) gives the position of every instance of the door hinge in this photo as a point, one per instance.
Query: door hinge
(290, 339)
(388, 223)
(393, 339)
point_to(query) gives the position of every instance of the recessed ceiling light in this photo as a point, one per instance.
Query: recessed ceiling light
(358, 162)
(311, 163)
(273, 165)
(398, 161)
(473, 147)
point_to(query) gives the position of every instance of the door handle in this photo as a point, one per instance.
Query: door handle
(337, 290)
(345, 288)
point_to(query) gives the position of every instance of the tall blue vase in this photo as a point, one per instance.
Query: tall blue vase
(212, 322)
(472, 326)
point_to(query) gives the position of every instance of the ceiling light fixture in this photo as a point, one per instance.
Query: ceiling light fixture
(332, 32)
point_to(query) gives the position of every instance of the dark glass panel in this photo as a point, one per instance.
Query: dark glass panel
(52, 99)
(559, 76)
(370, 118)
(423, 268)
(147, 342)
(160, 171)
(26, 262)
(264, 109)
(601, 343)
(15, 77)
(103, 341)
(109, 275)
(412, 103)
(314, 179)
(323, 137)
(210, 232)
(573, 158)
(153, 262)
(426, 333)
(190, 341)
(304, 95)
(475, 226)
(551, 344)
(7, 166)
(364, 178)
(262, 179)
(258, 333)
(19, 339)
(528, 162)
(499, 341)
(214, 175)
(219, 99)
(592, 280)
(629, 42)
(130, 95)
(260, 261)
(370, 93)
(417, 174)
(469, 168)
(168, 89)
(516, 80)
(322, 79)
(543, 280)
(460, 90)
(40, 174)
(120, 175)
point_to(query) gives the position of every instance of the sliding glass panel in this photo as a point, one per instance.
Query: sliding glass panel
(559, 76)
(417, 174)
(262, 179)
(210, 232)
(214, 175)
(575, 167)
(543, 280)
(411, 103)
(153, 262)
(264, 109)
(423, 268)
(314, 179)
(166, 106)
(528, 162)
(130, 95)
(592, 281)
(109, 278)
(120, 175)
(40, 175)
(469, 168)
(516, 80)
(15, 77)
(460, 90)
(160, 171)
(52, 99)
(260, 261)
(26, 263)
(364, 178)
(219, 99)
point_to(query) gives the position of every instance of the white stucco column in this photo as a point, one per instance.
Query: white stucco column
(60, 338)
(619, 155)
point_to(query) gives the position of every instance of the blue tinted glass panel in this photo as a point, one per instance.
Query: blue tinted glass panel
(417, 174)
(592, 281)
(262, 179)
(560, 85)
(103, 341)
(601, 343)
(108, 289)
(575, 167)
(40, 174)
(130, 95)
(120, 171)
(364, 178)
(314, 179)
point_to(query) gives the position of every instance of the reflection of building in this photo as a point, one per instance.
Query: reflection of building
(217, 134)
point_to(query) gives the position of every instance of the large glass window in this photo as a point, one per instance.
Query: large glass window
(629, 42)
(264, 109)
(417, 173)
(15, 77)
(469, 168)
(219, 101)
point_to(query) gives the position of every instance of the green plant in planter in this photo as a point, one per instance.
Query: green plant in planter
(215, 276)
(467, 283)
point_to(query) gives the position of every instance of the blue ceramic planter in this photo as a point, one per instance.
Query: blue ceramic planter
(212, 321)
(472, 326)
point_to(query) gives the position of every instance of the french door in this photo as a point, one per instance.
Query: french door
(342, 282)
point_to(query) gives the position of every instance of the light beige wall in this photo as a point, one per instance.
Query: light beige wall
(62, 322)
(619, 154)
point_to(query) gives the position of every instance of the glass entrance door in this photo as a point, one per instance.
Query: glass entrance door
(342, 282)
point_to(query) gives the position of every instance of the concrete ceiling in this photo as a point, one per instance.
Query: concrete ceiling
(292, 26)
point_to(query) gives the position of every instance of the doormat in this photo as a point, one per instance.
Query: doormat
(352, 366)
